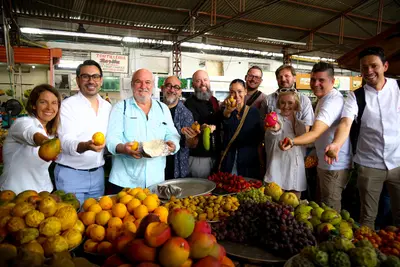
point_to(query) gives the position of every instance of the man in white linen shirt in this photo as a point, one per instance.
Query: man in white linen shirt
(377, 153)
(286, 78)
(79, 167)
(332, 179)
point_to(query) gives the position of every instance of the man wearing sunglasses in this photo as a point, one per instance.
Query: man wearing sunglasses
(286, 78)
(177, 166)
(79, 167)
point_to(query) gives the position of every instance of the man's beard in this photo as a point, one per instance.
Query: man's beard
(142, 99)
(172, 99)
(203, 95)
(250, 89)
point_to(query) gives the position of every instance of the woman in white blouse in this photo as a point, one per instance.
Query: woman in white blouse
(23, 168)
(286, 168)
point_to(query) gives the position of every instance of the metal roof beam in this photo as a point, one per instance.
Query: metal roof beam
(187, 20)
(236, 17)
(336, 11)
(192, 13)
(333, 19)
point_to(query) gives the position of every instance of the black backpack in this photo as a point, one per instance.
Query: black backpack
(355, 127)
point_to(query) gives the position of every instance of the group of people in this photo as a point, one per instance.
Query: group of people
(241, 143)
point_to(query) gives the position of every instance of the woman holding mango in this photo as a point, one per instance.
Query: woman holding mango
(25, 163)
(242, 134)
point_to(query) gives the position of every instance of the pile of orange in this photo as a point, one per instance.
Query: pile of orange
(112, 216)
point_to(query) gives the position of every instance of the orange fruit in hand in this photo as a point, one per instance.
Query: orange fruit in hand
(99, 139)
(135, 145)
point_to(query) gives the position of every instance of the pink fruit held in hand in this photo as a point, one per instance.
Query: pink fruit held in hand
(271, 119)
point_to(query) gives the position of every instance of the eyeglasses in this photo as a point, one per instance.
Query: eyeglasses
(257, 78)
(284, 90)
(169, 87)
(86, 77)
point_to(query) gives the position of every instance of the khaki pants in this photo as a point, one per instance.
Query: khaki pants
(370, 183)
(330, 185)
(200, 167)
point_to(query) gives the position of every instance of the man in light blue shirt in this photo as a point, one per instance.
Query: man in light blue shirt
(139, 118)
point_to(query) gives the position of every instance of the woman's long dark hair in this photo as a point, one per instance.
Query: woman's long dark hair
(52, 125)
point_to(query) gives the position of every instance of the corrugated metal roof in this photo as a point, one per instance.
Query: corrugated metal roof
(286, 19)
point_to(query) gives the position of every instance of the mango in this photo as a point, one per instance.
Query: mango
(273, 190)
(195, 126)
(208, 261)
(302, 208)
(23, 196)
(202, 227)
(331, 216)
(317, 212)
(206, 138)
(313, 204)
(345, 214)
(121, 241)
(182, 222)
(218, 252)
(27, 235)
(50, 149)
(67, 216)
(48, 206)
(144, 223)
(7, 195)
(138, 251)
(54, 244)
(157, 233)
(21, 209)
(135, 145)
(200, 245)
(227, 262)
(232, 101)
(174, 252)
(289, 198)
(113, 261)
(324, 228)
(314, 221)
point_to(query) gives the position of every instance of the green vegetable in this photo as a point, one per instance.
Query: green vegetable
(206, 138)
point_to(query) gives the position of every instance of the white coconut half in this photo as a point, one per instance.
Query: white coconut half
(155, 148)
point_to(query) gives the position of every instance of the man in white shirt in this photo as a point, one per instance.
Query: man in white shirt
(332, 179)
(286, 78)
(377, 146)
(79, 167)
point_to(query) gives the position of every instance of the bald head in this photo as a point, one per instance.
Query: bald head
(142, 85)
(172, 91)
(201, 85)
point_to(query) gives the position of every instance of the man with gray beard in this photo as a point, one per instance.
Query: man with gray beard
(205, 110)
(177, 165)
(141, 119)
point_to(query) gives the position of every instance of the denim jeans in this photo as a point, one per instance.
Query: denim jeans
(83, 184)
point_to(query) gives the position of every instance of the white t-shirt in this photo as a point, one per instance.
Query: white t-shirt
(23, 169)
(78, 123)
(379, 140)
(328, 111)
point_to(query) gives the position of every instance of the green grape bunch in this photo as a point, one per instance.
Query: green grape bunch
(253, 194)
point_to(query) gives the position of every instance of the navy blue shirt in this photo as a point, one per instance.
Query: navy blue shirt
(246, 143)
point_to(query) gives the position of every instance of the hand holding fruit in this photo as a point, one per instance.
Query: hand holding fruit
(230, 106)
(332, 153)
(275, 128)
(286, 144)
(171, 146)
(132, 149)
(50, 149)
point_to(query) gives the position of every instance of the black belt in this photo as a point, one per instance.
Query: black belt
(87, 170)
